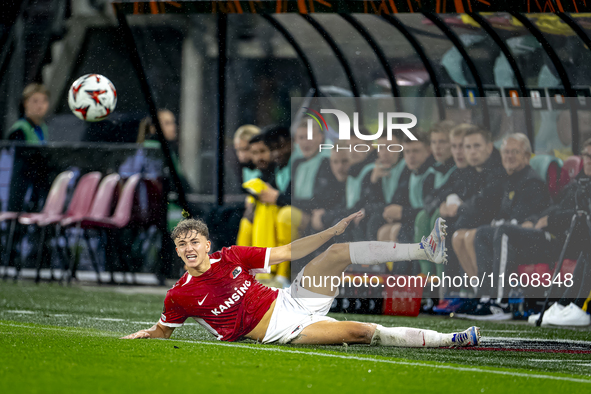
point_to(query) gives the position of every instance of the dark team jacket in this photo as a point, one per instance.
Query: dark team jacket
(461, 182)
(339, 209)
(284, 198)
(518, 197)
(432, 200)
(327, 189)
(402, 195)
(484, 183)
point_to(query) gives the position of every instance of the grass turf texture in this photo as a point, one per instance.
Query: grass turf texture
(56, 339)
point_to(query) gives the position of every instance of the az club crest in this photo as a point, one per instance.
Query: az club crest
(237, 271)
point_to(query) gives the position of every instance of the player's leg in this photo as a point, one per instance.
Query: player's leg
(458, 243)
(338, 332)
(469, 245)
(320, 273)
(384, 232)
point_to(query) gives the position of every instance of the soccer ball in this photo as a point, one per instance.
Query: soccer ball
(92, 97)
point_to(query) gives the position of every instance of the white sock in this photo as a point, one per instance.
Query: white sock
(375, 252)
(410, 337)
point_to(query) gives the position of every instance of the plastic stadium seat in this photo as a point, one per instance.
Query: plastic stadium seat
(120, 219)
(81, 199)
(80, 203)
(122, 215)
(54, 205)
(101, 202)
(570, 169)
(100, 209)
(548, 168)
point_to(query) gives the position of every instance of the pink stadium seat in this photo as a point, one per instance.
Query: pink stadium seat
(101, 202)
(81, 200)
(98, 218)
(122, 215)
(54, 204)
(100, 209)
(570, 169)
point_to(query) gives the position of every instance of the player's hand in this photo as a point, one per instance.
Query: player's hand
(392, 213)
(359, 218)
(452, 210)
(527, 224)
(341, 226)
(443, 210)
(317, 219)
(542, 223)
(269, 195)
(142, 334)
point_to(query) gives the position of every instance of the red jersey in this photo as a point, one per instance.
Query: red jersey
(226, 299)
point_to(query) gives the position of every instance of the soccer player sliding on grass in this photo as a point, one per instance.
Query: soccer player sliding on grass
(220, 292)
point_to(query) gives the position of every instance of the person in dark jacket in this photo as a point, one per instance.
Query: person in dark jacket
(312, 178)
(539, 239)
(488, 174)
(340, 163)
(278, 140)
(522, 195)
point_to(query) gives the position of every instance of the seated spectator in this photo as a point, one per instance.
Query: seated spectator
(460, 186)
(147, 130)
(313, 180)
(395, 222)
(33, 172)
(260, 155)
(31, 127)
(540, 239)
(340, 162)
(522, 194)
(487, 174)
(436, 181)
(278, 140)
(242, 138)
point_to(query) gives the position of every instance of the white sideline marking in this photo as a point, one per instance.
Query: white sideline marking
(566, 341)
(377, 360)
(25, 312)
(98, 334)
(540, 360)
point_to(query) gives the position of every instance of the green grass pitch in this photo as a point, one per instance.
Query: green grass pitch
(65, 340)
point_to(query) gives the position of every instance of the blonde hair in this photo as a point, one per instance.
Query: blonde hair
(462, 129)
(33, 88)
(445, 126)
(246, 132)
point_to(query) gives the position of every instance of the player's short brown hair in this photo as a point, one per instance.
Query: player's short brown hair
(477, 130)
(420, 135)
(586, 143)
(445, 126)
(461, 130)
(189, 225)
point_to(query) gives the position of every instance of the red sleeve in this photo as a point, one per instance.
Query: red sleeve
(255, 260)
(173, 314)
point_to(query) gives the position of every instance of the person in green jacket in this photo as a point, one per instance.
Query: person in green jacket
(32, 171)
(31, 127)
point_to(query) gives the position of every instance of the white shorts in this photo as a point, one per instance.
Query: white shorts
(295, 309)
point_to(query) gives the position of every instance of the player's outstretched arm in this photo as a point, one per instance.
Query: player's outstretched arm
(304, 246)
(157, 331)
